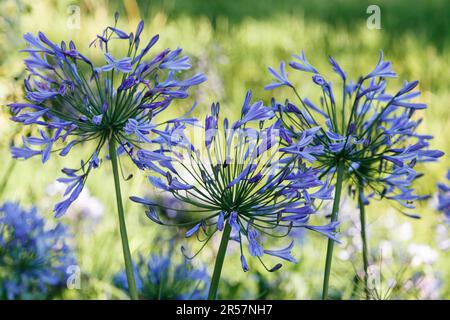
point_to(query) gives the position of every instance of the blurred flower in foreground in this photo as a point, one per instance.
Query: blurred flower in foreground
(368, 137)
(243, 186)
(444, 197)
(74, 101)
(33, 258)
(160, 278)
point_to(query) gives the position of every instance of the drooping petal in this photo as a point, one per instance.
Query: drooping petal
(284, 253)
(193, 230)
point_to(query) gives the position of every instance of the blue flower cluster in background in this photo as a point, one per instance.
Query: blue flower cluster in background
(34, 258)
(161, 277)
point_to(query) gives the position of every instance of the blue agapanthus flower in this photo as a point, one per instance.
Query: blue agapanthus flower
(34, 258)
(371, 131)
(237, 182)
(160, 277)
(73, 101)
(444, 197)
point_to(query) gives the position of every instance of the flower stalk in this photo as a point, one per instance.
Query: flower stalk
(123, 228)
(362, 216)
(219, 263)
(334, 217)
(5, 179)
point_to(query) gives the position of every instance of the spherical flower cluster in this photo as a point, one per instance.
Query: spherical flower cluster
(74, 101)
(372, 133)
(238, 183)
(34, 259)
(161, 278)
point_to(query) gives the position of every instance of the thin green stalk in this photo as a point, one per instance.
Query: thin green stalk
(123, 229)
(8, 173)
(334, 217)
(219, 262)
(362, 217)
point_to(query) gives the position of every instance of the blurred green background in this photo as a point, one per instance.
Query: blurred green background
(234, 42)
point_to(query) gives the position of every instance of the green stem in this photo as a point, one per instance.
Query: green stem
(334, 217)
(219, 262)
(8, 173)
(362, 217)
(123, 229)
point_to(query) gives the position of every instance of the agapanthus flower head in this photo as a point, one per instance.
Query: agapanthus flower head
(72, 100)
(372, 131)
(444, 197)
(162, 277)
(236, 178)
(34, 258)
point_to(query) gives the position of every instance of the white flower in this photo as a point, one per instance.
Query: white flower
(422, 254)
(405, 231)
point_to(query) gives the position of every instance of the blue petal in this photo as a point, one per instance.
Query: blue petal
(255, 249)
(244, 263)
(193, 230)
(284, 253)
(220, 221)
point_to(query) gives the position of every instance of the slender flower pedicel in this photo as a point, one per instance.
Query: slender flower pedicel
(368, 136)
(34, 258)
(114, 104)
(243, 187)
